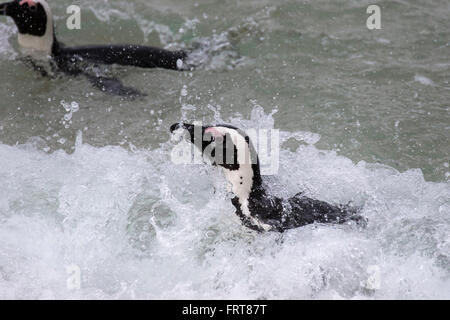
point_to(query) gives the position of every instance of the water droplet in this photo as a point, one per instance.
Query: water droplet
(184, 91)
(68, 116)
(75, 106)
(179, 63)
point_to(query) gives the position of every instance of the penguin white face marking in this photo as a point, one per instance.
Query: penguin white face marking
(34, 22)
(236, 160)
(231, 149)
(240, 172)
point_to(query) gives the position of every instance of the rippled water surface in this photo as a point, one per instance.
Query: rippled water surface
(87, 179)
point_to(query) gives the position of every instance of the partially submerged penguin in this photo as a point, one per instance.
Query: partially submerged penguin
(230, 148)
(34, 22)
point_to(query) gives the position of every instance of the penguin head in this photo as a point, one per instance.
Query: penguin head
(34, 22)
(230, 148)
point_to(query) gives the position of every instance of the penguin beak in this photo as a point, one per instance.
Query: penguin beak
(4, 8)
(197, 134)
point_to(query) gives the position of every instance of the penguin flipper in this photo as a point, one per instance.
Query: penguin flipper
(114, 86)
(108, 85)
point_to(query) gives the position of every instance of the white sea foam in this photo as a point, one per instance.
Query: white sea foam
(139, 226)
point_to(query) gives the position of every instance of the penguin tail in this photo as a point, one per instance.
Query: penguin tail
(309, 210)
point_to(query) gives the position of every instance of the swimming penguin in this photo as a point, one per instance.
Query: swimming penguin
(34, 22)
(230, 148)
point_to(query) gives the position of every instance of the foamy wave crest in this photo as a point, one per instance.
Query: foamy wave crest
(138, 226)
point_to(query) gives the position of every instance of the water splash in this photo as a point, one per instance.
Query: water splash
(70, 109)
(139, 226)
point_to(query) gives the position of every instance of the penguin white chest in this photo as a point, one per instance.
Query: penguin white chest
(36, 45)
(241, 181)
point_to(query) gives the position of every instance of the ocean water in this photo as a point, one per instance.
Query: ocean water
(88, 183)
